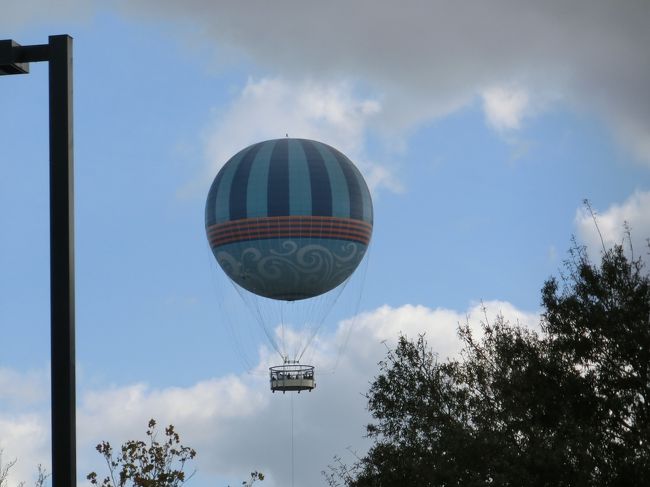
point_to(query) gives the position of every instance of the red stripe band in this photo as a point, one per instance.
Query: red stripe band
(269, 235)
(289, 227)
(303, 220)
(292, 229)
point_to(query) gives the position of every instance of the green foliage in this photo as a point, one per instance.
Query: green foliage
(150, 463)
(146, 464)
(564, 407)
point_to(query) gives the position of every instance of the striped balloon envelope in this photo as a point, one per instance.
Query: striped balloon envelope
(289, 219)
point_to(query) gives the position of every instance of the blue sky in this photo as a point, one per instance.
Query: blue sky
(480, 130)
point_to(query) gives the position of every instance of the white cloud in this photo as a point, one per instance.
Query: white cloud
(22, 388)
(635, 135)
(272, 107)
(25, 438)
(505, 107)
(635, 210)
(424, 58)
(428, 58)
(236, 424)
(24, 426)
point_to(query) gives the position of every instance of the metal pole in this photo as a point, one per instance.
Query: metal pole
(15, 59)
(62, 263)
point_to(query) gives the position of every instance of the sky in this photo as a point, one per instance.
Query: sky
(480, 128)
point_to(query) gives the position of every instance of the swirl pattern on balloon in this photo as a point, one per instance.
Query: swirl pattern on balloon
(288, 270)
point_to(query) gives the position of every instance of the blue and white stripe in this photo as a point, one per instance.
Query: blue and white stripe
(288, 177)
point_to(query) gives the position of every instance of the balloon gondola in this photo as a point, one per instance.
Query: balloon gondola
(289, 220)
(292, 376)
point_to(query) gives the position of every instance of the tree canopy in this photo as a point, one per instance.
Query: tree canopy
(145, 463)
(149, 463)
(562, 406)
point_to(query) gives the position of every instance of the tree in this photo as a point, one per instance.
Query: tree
(5, 468)
(567, 406)
(150, 463)
(146, 464)
(255, 476)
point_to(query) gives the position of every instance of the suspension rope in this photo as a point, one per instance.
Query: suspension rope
(318, 325)
(259, 317)
(292, 448)
(284, 341)
(355, 314)
(226, 314)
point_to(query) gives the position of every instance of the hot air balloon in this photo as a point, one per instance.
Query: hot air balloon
(289, 220)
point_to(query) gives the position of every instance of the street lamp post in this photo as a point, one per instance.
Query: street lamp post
(15, 59)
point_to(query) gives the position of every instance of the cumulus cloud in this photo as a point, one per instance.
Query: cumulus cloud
(236, 424)
(22, 388)
(634, 213)
(272, 108)
(24, 437)
(505, 108)
(428, 58)
(634, 134)
(24, 423)
(269, 108)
